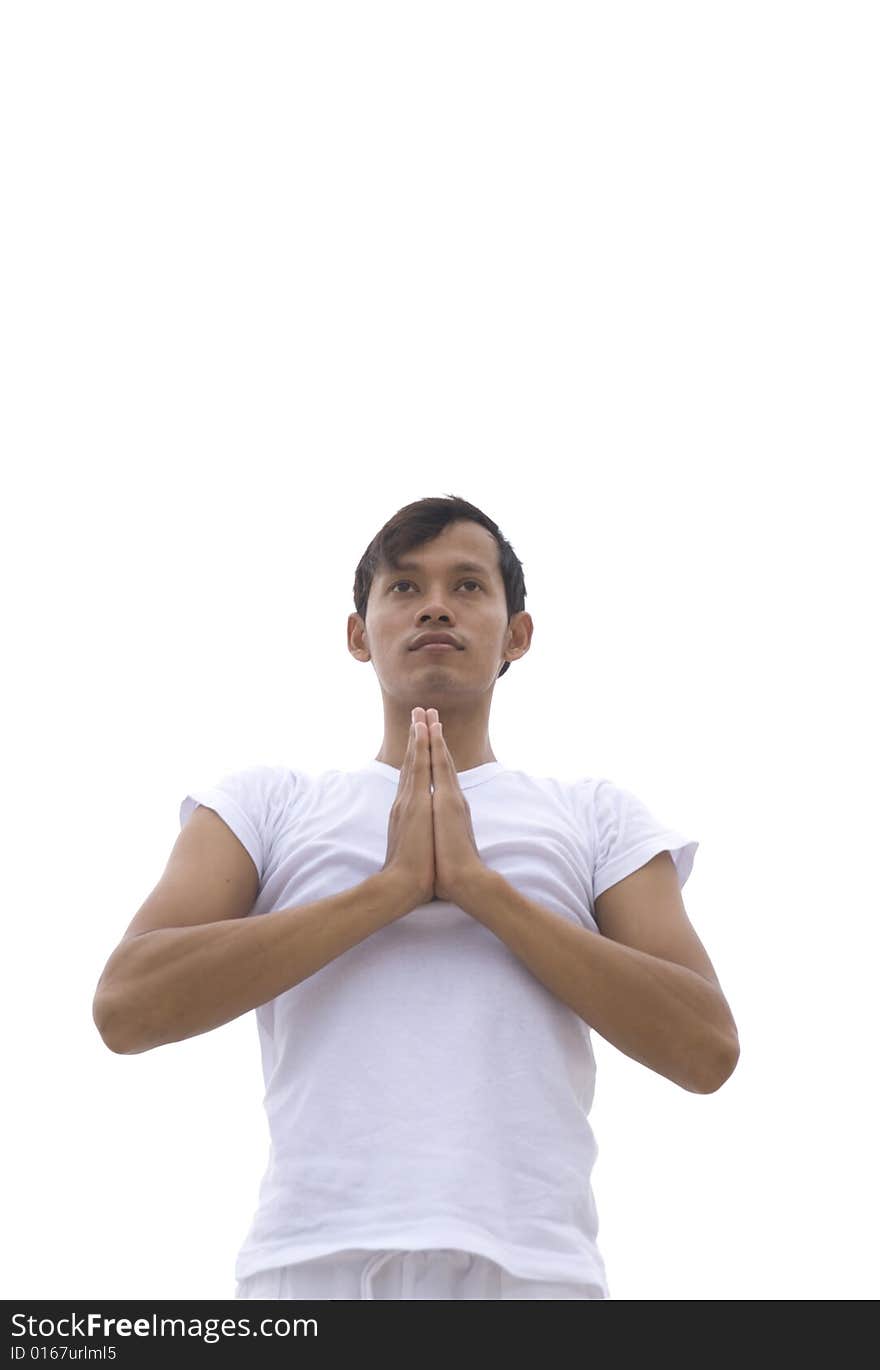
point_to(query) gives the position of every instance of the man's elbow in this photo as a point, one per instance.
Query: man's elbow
(105, 1016)
(722, 1065)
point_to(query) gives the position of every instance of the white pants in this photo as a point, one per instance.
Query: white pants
(427, 1274)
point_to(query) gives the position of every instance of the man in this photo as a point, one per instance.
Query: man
(427, 942)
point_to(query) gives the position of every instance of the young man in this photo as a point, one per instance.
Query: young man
(428, 942)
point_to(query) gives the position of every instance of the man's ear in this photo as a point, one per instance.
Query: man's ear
(356, 638)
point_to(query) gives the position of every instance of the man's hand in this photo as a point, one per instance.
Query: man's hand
(431, 851)
(409, 860)
(457, 862)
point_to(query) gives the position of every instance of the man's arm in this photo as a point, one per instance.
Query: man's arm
(170, 983)
(651, 1004)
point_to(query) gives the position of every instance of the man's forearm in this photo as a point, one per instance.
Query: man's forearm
(172, 983)
(665, 1016)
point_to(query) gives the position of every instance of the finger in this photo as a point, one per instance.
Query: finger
(439, 751)
(441, 759)
(424, 759)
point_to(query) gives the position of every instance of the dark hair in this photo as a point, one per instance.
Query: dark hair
(421, 522)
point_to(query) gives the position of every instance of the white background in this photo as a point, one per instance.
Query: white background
(610, 272)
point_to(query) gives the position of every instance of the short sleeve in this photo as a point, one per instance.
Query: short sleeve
(249, 802)
(626, 835)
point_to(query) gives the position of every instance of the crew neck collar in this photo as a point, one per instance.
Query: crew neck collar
(466, 779)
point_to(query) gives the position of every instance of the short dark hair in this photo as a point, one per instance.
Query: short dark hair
(421, 522)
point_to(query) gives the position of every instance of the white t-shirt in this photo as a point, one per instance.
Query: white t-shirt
(424, 1089)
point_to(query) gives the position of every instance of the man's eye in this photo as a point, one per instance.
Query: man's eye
(463, 582)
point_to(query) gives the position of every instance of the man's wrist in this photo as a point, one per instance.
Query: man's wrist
(479, 886)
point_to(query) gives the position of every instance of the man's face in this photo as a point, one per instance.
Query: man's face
(451, 584)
